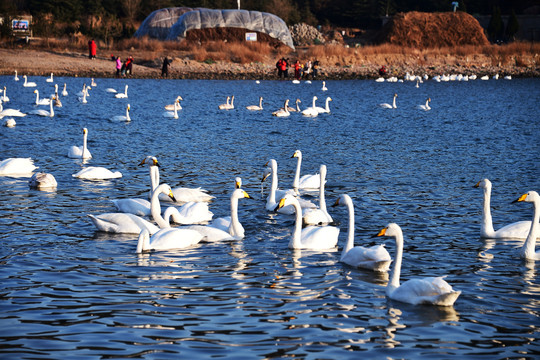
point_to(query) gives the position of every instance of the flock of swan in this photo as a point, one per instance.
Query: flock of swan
(313, 227)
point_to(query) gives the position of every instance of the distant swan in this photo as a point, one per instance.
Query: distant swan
(527, 251)
(176, 103)
(388, 106)
(80, 152)
(428, 290)
(97, 173)
(42, 101)
(256, 107)
(123, 117)
(324, 88)
(84, 95)
(5, 98)
(226, 105)
(50, 79)
(93, 83)
(42, 181)
(374, 258)
(122, 95)
(49, 113)
(28, 84)
(308, 181)
(64, 92)
(17, 167)
(173, 114)
(425, 107)
(311, 111)
(295, 109)
(284, 111)
(319, 216)
(326, 109)
(311, 237)
(517, 230)
(16, 78)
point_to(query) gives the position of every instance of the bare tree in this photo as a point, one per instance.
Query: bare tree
(131, 8)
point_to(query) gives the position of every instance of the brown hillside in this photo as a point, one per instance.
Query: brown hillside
(433, 30)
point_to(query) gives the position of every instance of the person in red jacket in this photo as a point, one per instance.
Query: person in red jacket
(92, 49)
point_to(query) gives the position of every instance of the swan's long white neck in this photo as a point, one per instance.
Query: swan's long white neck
(127, 114)
(125, 90)
(154, 177)
(527, 251)
(486, 229)
(322, 199)
(297, 107)
(176, 109)
(155, 208)
(51, 108)
(37, 97)
(296, 181)
(235, 228)
(295, 242)
(393, 283)
(85, 149)
(314, 99)
(394, 102)
(260, 102)
(350, 234)
(327, 108)
(274, 184)
(144, 241)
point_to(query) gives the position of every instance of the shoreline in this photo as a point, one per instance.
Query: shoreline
(33, 62)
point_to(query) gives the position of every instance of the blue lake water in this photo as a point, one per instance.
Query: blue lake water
(68, 291)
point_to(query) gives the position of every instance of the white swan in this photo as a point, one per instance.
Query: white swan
(230, 226)
(171, 106)
(43, 101)
(49, 113)
(84, 91)
(311, 111)
(173, 114)
(226, 105)
(527, 251)
(9, 122)
(284, 111)
(485, 77)
(110, 90)
(5, 98)
(97, 173)
(139, 207)
(56, 97)
(50, 79)
(428, 290)
(84, 95)
(326, 109)
(10, 112)
(123, 117)
(517, 230)
(190, 213)
(425, 107)
(64, 92)
(271, 201)
(318, 216)
(295, 109)
(311, 237)
(16, 78)
(27, 83)
(167, 239)
(374, 258)
(324, 88)
(122, 95)
(80, 152)
(256, 107)
(308, 181)
(17, 167)
(93, 83)
(42, 181)
(388, 106)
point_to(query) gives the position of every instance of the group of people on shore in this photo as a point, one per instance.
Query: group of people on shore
(123, 68)
(300, 70)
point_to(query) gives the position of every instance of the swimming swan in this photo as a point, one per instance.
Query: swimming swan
(527, 251)
(173, 114)
(295, 109)
(167, 239)
(284, 111)
(17, 167)
(57, 101)
(374, 258)
(326, 109)
(64, 92)
(49, 113)
(425, 107)
(10, 112)
(122, 95)
(5, 98)
(228, 106)
(97, 173)
(42, 181)
(318, 216)
(517, 230)
(256, 107)
(80, 152)
(311, 111)
(28, 84)
(388, 106)
(123, 117)
(171, 106)
(50, 79)
(311, 237)
(324, 88)
(9, 122)
(190, 213)
(428, 290)
(308, 181)
(84, 95)
(16, 78)
(43, 101)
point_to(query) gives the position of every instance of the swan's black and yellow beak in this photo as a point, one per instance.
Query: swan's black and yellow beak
(519, 199)
(477, 184)
(237, 184)
(382, 232)
(171, 195)
(246, 195)
(280, 204)
(336, 203)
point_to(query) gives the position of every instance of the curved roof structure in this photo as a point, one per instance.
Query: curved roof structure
(173, 23)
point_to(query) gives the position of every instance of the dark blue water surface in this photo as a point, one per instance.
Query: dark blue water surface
(68, 291)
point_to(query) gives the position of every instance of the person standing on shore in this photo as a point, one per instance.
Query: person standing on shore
(296, 67)
(307, 69)
(129, 65)
(92, 49)
(315, 69)
(165, 67)
(118, 66)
